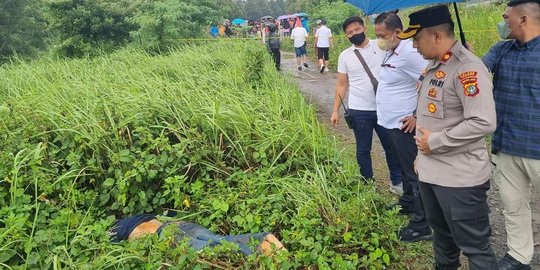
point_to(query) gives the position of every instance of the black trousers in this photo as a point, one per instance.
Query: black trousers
(459, 218)
(404, 149)
(276, 54)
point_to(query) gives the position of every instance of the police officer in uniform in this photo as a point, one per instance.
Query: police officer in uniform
(455, 111)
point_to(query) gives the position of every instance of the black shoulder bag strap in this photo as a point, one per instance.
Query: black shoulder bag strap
(371, 77)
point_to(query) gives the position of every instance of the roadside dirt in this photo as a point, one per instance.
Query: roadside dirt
(319, 90)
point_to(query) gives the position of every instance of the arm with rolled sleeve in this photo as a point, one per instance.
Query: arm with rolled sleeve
(478, 113)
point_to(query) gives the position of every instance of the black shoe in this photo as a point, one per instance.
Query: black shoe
(411, 234)
(402, 211)
(299, 68)
(509, 263)
(322, 69)
(439, 266)
(306, 65)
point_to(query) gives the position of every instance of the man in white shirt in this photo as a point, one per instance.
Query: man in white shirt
(323, 43)
(396, 102)
(362, 107)
(299, 35)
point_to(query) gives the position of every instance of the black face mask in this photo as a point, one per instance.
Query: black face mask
(358, 39)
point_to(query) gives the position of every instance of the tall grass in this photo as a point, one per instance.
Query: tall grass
(213, 132)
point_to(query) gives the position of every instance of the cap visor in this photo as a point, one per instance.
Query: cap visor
(408, 33)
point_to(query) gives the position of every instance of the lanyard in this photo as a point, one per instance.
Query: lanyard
(386, 58)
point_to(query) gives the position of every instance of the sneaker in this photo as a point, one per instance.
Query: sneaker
(326, 69)
(299, 68)
(322, 68)
(411, 234)
(306, 65)
(397, 189)
(509, 263)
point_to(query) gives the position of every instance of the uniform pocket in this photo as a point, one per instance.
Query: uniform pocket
(471, 225)
(434, 103)
(470, 212)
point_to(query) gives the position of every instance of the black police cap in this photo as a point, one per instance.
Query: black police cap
(424, 18)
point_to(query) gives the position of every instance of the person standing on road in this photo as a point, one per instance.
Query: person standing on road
(516, 142)
(455, 112)
(273, 43)
(353, 76)
(299, 35)
(396, 102)
(323, 42)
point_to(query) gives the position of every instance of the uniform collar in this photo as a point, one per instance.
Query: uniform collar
(447, 57)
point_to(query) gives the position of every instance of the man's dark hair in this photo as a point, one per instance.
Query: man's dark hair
(513, 3)
(390, 19)
(351, 20)
(323, 22)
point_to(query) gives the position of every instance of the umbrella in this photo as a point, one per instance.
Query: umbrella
(301, 14)
(283, 17)
(267, 18)
(238, 21)
(378, 6)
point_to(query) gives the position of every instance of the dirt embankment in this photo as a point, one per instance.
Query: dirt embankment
(319, 90)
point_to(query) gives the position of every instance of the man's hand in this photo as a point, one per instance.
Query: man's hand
(334, 118)
(409, 124)
(422, 140)
(415, 168)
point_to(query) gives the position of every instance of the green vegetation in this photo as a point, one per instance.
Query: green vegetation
(211, 131)
(479, 25)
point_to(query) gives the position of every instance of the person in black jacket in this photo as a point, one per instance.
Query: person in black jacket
(273, 43)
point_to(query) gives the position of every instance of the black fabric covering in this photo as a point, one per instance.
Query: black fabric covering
(125, 226)
(432, 16)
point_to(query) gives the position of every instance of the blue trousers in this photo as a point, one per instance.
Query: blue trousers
(365, 122)
(200, 237)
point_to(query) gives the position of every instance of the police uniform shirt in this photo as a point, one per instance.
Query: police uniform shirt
(455, 102)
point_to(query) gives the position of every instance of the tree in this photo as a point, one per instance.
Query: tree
(21, 28)
(335, 14)
(309, 6)
(88, 27)
(162, 23)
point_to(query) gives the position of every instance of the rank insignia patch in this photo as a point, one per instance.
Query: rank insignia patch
(432, 92)
(432, 108)
(446, 57)
(439, 74)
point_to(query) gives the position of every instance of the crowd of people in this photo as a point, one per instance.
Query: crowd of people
(432, 102)
(299, 34)
(250, 28)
